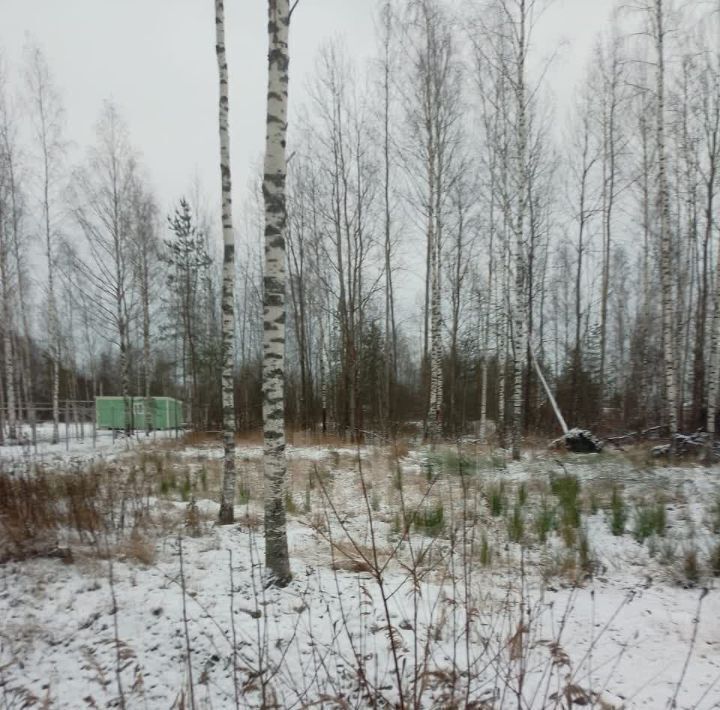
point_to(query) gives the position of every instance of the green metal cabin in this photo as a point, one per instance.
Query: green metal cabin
(167, 413)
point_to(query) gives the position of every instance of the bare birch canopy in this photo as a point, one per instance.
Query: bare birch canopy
(419, 219)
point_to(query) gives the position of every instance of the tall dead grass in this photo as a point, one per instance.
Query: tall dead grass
(45, 513)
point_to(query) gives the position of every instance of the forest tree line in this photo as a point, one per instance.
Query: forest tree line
(585, 237)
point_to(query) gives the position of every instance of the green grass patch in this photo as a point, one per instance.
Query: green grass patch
(585, 557)
(516, 524)
(567, 490)
(485, 551)
(522, 494)
(185, 489)
(449, 461)
(650, 519)
(290, 505)
(497, 500)
(243, 494)
(430, 520)
(545, 521)
(618, 512)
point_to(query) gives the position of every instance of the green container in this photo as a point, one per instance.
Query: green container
(167, 413)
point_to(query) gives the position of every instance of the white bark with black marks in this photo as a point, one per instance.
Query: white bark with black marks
(7, 313)
(519, 320)
(277, 559)
(666, 258)
(228, 283)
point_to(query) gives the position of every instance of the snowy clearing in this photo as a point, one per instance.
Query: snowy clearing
(445, 579)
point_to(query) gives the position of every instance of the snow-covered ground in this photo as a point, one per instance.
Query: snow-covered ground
(456, 615)
(76, 446)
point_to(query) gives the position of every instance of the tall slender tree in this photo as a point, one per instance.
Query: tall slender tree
(666, 248)
(228, 283)
(9, 226)
(104, 189)
(277, 559)
(47, 121)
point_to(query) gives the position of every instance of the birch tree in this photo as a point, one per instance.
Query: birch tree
(708, 107)
(433, 111)
(47, 115)
(145, 256)
(277, 559)
(508, 33)
(583, 209)
(15, 166)
(610, 64)
(338, 142)
(7, 283)
(666, 256)
(710, 103)
(390, 328)
(9, 228)
(228, 283)
(490, 49)
(103, 190)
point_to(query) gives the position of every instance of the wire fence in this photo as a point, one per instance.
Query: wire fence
(35, 437)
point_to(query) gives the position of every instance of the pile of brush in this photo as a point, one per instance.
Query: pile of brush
(579, 441)
(683, 444)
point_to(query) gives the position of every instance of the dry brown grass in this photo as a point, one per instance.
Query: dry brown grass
(137, 547)
(29, 516)
(400, 448)
(318, 522)
(302, 437)
(249, 521)
(640, 456)
(249, 438)
(351, 558)
(47, 513)
(199, 438)
(33, 510)
(253, 437)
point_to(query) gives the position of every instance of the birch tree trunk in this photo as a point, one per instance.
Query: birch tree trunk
(433, 113)
(666, 267)
(47, 122)
(390, 332)
(277, 559)
(8, 350)
(519, 332)
(13, 226)
(228, 284)
(435, 410)
(145, 239)
(713, 369)
(8, 226)
(54, 330)
(611, 79)
(2, 413)
(148, 408)
(711, 120)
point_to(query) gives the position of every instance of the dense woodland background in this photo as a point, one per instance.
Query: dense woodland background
(594, 231)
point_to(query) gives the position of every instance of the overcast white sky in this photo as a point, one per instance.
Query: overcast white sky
(156, 59)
